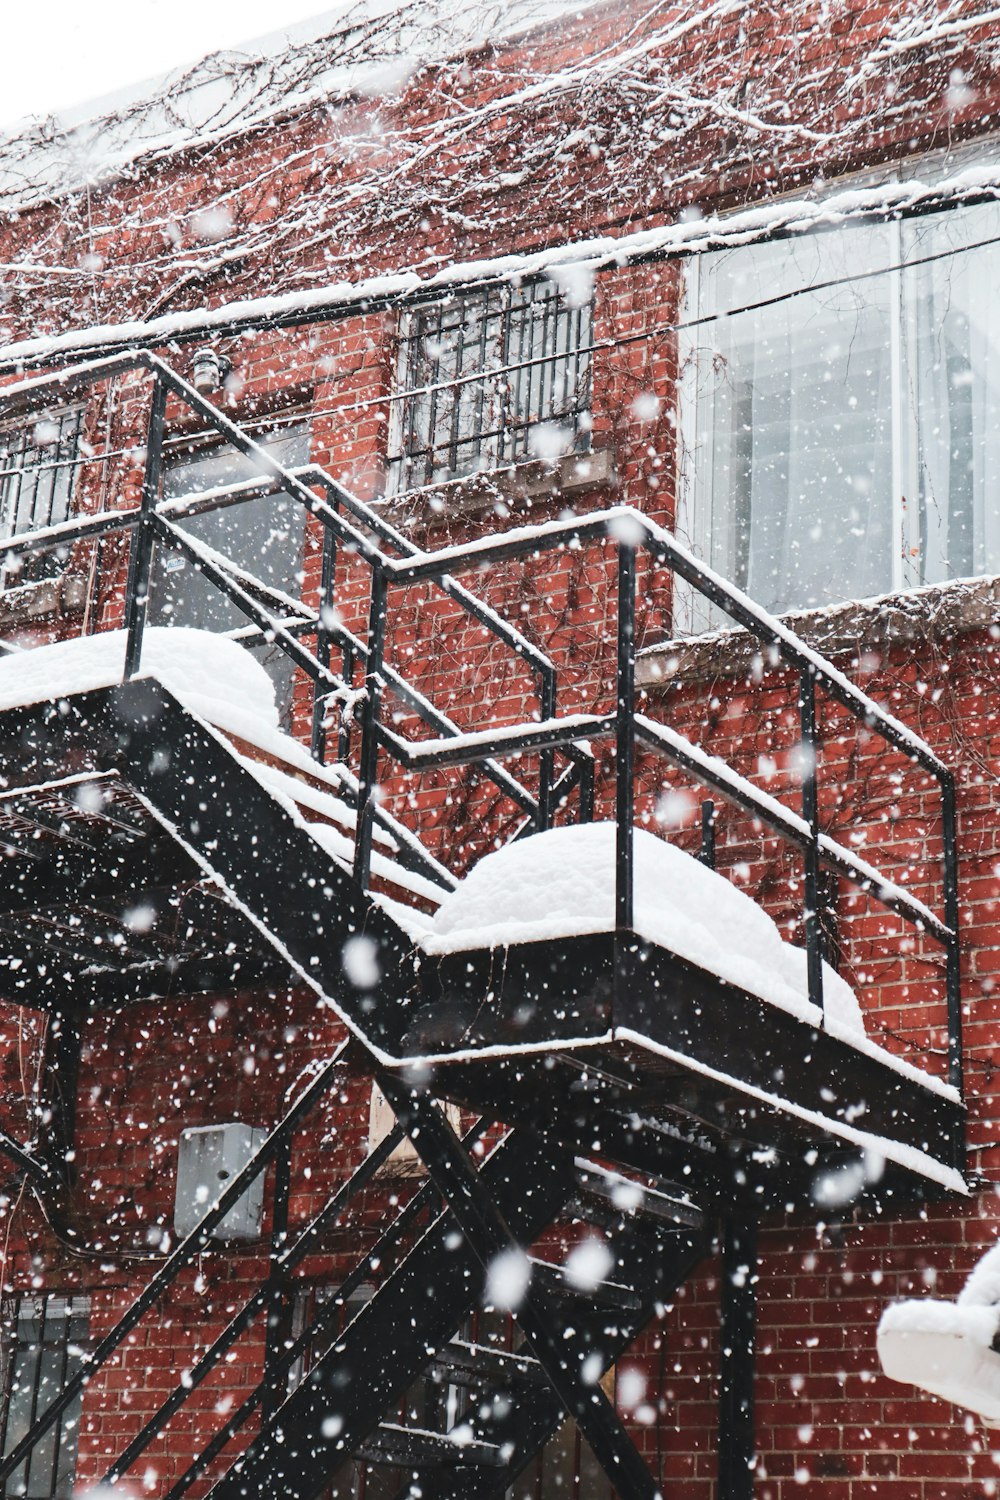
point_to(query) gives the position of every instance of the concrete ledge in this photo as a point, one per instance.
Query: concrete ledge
(501, 492)
(859, 631)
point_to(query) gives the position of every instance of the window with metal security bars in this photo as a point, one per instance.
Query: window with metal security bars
(487, 377)
(44, 1343)
(38, 471)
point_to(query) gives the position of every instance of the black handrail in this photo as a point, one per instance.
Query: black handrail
(242, 1320)
(427, 1195)
(292, 482)
(630, 532)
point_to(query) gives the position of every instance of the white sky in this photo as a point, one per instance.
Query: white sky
(60, 53)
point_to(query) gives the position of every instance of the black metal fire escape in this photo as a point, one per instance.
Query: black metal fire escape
(647, 1068)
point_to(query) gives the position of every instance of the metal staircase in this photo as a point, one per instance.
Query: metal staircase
(433, 1265)
(582, 1056)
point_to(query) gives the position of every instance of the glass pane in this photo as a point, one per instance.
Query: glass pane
(793, 463)
(952, 324)
(263, 536)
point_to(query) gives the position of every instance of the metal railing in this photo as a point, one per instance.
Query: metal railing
(631, 534)
(349, 524)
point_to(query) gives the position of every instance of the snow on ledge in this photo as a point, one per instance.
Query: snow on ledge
(788, 217)
(946, 1348)
(561, 884)
(214, 677)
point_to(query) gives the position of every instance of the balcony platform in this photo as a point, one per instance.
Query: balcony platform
(121, 799)
(606, 1026)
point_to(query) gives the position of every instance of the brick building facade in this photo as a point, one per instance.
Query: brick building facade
(728, 265)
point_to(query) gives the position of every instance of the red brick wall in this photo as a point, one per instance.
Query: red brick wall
(829, 1424)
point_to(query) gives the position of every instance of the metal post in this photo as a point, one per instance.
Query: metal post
(625, 736)
(949, 834)
(140, 560)
(587, 791)
(327, 595)
(546, 765)
(810, 812)
(707, 855)
(278, 1308)
(738, 1310)
(369, 731)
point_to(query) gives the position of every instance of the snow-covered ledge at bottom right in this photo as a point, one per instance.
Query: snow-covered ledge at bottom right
(948, 1348)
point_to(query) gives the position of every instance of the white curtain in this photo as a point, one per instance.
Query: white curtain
(798, 408)
(814, 403)
(953, 324)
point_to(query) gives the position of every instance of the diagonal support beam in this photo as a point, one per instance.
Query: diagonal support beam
(488, 1235)
(32, 1166)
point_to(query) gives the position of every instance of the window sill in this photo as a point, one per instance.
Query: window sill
(501, 492)
(49, 598)
(860, 631)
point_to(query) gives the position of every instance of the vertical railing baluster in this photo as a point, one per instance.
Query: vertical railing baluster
(140, 560)
(707, 855)
(278, 1308)
(586, 793)
(625, 737)
(369, 731)
(327, 597)
(809, 756)
(547, 706)
(953, 953)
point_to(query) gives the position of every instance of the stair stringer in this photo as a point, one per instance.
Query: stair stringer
(389, 1343)
(261, 853)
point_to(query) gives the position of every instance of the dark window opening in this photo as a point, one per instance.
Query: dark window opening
(264, 537)
(44, 1344)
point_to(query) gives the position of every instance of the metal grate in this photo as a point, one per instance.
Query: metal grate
(480, 373)
(45, 1341)
(38, 472)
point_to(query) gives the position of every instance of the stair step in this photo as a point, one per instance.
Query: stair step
(601, 1186)
(475, 1365)
(415, 1447)
(607, 1294)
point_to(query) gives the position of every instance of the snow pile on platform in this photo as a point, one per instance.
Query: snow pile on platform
(214, 677)
(561, 883)
(946, 1348)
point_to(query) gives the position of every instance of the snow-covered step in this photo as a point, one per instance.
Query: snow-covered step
(478, 1365)
(412, 1447)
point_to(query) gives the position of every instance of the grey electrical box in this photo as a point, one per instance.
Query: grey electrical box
(208, 1158)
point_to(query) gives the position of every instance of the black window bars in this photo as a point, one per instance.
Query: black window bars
(46, 1343)
(40, 462)
(480, 372)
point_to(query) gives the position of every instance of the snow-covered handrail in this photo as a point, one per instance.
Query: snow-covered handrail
(622, 523)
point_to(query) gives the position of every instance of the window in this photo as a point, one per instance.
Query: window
(38, 469)
(44, 1342)
(490, 377)
(844, 441)
(264, 536)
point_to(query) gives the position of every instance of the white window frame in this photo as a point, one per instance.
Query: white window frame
(692, 614)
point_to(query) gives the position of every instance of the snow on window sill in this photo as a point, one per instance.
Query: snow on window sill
(860, 630)
(516, 490)
(42, 600)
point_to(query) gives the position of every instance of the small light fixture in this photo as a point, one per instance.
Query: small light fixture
(209, 369)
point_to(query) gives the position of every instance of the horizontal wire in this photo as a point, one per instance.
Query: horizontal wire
(618, 341)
